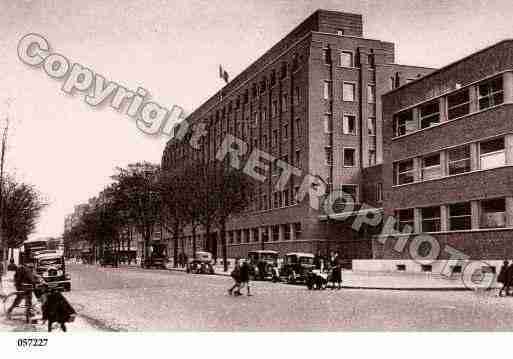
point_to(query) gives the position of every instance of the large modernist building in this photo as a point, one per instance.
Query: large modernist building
(448, 159)
(314, 101)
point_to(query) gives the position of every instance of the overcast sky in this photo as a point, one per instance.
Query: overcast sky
(173, 49)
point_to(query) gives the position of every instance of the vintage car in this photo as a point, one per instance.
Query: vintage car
(201, 263)
(157, 256)
(263, 264)
(296, 266)
(50, 265)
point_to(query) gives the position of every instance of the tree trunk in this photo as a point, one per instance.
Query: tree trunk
(193, 240)
(223, 245)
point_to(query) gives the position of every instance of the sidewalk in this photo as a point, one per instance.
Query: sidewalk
(385, 280)
(17, 322)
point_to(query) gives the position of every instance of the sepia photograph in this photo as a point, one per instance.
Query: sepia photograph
(173, 167)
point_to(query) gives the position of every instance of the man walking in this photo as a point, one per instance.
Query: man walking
(503, 278)
(244, 278)
(236, 278)
(24, 275)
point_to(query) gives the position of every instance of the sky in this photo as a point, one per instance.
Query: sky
(69, 150)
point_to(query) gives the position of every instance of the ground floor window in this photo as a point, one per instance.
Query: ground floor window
(431, 219)
(405, 218)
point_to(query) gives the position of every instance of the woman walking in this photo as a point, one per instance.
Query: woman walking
(503, 278)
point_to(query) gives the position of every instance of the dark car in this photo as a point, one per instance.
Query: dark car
(201, 263)
(263, 264)
(296, 265)
(157, 256)
(51, 266)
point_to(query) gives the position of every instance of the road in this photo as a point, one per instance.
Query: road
(136, 299)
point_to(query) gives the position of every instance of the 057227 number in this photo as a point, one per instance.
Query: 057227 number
(32, 342)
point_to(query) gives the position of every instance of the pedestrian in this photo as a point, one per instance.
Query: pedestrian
(318, 261)
(502, 278)
(56, 309)
(244, 278)
(23, 276)
(235, 274)
(509, 278)
(336, 273)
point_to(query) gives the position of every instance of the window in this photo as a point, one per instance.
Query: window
(327, 90)
(296, 194)
(263, 85)
(370, 58)
(405, 218)
(275, 137)
(264, 115)
(349, 157)
(404, 172)
(284, 99)
(458, 104)
(326, 56)
(297, 230)
(372, 157)
(379, 192)
(492, 153)
(429, 114)
(371, 126)
(431, 219)
(327, 123)
(275, 199)
(273, 78)
(328, 152)
(491, 93)
(264, 202)
(286, 197)
(285, 131)
(264, 141)
(283, 72)
(348, 91)
(254, 91)
(297, 160)
(274, 108)
(298, 127)
(371, 93)
(255, 119)
(458, 160)
(426, 267)
(460, 217)
(405, 123)
(493, 213)
(346, 59)
(352, 190)
(297, 96)
(431, 167)
(349, 125)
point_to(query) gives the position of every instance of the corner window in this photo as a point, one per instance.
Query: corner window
(491, 93)
(327, 90)
(493, 213)
(349, 157)
(349, 125)
(379, 192)
(460, 217)
(327, 123)
(429, 114)
(371, 126)
(492, 153)
(458, 104)
(405, 123)
(326, 56)
(348, 91)
(371, 93)
(458, 160)
(404, 172)
(431, 219)
(431, 167)
(346, 59)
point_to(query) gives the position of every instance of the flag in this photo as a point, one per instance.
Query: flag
(223, 74)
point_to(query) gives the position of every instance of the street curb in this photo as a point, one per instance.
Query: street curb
(440, 289)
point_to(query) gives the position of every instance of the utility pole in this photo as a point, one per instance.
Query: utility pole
(3, 243)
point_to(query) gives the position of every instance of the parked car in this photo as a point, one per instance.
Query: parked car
(263, 264)
(296, 265)
(201, 263)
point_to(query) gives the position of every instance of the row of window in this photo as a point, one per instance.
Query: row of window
(349, 125)
(271, 233)
(491, 214)
(348, 91)
(345, 58)
(488, 93)
(490, 154)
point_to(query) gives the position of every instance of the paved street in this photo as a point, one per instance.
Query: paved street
(136, 299)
